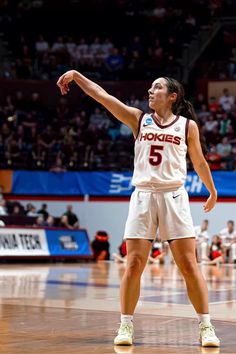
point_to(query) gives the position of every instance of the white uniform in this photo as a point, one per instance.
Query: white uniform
(227, 237)
(160, 199)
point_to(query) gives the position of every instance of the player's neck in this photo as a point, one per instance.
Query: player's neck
(164, 117)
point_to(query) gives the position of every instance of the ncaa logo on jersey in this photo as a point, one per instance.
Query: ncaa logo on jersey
(177, 129)
(148, 121)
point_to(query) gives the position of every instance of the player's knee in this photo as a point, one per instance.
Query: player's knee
(135, 266)
(188, 268)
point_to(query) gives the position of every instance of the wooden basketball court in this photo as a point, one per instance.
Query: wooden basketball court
(75, 309)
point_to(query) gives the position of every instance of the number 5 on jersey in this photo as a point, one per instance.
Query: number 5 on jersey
(155, 156)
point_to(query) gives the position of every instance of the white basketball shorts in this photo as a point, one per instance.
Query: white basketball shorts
(168, 211)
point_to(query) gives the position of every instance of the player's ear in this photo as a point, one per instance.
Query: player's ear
(173, 97)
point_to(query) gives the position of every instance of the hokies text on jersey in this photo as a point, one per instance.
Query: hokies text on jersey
(169, 138)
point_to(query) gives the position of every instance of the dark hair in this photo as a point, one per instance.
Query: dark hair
(183, 107)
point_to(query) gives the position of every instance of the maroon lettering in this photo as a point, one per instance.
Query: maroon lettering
(177, 140)
(161, 137)
(143, 137)
(150, 136)
(169, 138)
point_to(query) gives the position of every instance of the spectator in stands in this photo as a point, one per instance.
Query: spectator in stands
(13, 151)
(233, 250)
(40, 222)
(114, 64)
(70, 46)
(101, 246)
(159, 12)
(50, 222)
(204, 113)
(95, 47)
(72, 219)
(214, 158)
(81, 52)
(3, 209)
(17, 210)
(213, 104)
(121, 257)
(125, 132)
(64, 223)
(58, 165)
(99, 119)
(107, 46)
(225, 124)
(227, 235)
(210, 123)
(216, 251)
(58, 46)
(224, 149)
(41, 45)
(2, 223)
(226, 100)
(232, 64)
(43, 211)
(202, 239)
(32, 212)
(157, 254)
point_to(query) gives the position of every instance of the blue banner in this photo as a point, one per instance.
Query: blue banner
(106, 183)
(64, 242)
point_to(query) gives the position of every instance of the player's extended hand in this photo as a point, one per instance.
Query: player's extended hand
(64, 80)
(210, 203)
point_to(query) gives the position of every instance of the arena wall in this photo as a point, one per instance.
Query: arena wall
(110, 214)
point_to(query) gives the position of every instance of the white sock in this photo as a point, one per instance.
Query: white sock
(126, 319)
(204, 318)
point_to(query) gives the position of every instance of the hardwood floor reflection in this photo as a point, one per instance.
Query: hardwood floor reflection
(75, 309)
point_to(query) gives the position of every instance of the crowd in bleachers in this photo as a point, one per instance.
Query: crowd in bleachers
(89, 138)
(33, 136)
(15, 213)
(218, 248)
(139, 49)
(210, 249)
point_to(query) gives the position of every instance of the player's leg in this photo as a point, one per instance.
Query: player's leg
(183, 251)
(176, 226)
(137, 255)
(140, 228)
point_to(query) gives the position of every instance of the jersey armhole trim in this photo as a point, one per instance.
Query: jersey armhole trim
(186, 131)
(139, 125)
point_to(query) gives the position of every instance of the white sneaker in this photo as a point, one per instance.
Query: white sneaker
(207, 336)
(125, 334)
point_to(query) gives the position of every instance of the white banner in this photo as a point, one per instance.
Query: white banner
(23, 242)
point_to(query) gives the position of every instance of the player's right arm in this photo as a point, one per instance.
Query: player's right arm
(128, 115)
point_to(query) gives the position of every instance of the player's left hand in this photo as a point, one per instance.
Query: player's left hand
(210, 203)
(64, 80)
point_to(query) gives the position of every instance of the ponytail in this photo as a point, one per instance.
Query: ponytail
(184, 108)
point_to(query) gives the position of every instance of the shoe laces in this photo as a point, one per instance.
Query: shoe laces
(208, 330)
(124, 328)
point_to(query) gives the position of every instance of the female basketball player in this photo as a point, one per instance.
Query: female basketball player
(162, 140)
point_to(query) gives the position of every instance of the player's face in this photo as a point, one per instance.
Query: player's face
(158, 95)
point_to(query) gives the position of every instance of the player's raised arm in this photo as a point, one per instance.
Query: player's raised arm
(128, 115)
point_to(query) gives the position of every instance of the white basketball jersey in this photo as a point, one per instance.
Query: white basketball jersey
(160, 154)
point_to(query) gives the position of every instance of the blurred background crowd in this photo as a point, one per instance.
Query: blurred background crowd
(110, 41)
(129, 45)
(35, 137)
